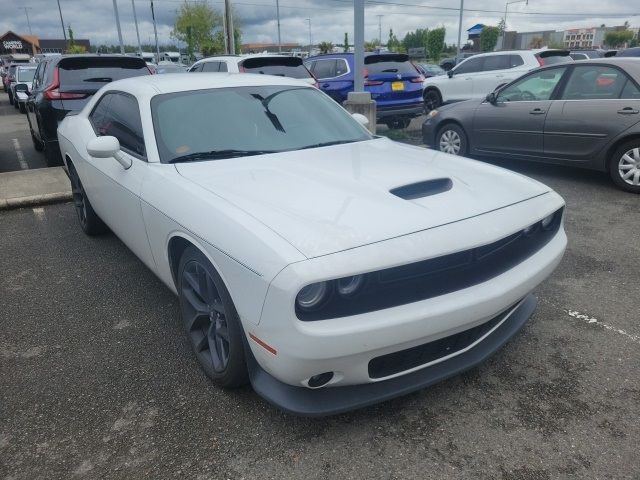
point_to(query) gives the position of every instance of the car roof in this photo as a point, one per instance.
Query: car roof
(631, 64)
(219, 58)
(178, 82)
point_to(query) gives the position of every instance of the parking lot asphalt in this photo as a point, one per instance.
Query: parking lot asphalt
(16, 148)
(97, 379)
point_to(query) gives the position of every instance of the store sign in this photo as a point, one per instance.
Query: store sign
(12, 44)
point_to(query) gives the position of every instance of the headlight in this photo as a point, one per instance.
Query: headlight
(547, 222)
(432, 114)
(312, 296)
(349, 285)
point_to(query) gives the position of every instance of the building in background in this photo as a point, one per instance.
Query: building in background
(269, 47)
(11, 42)
(57, 45)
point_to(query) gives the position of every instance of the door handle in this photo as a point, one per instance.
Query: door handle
(326, 85)
(628, 111)
(469, 78)
(537, 111)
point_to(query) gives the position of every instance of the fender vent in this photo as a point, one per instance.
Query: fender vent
(423, 189)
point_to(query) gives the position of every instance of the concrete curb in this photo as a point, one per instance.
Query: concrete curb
(28, 188)
(35, 200)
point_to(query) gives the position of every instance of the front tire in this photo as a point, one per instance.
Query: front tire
(452, 139)
(624, 166)
(432, 99)
(23, 108)
(90, 222)
(211, 320)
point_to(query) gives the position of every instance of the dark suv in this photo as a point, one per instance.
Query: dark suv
(65, 84)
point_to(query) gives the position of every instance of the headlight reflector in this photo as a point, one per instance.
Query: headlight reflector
(349, 285)
(547, 221)
(432, 113)
(312, 296)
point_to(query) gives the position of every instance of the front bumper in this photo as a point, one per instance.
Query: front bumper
(330, 401)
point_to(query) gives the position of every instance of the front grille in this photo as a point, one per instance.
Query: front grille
(404, 360)
(437, 276)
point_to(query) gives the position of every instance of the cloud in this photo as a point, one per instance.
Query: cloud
(94, 19)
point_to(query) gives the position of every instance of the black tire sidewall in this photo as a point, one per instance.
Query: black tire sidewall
(235, 374)
(93, 224)
(437, 99)
(615, 160)
(464, 144)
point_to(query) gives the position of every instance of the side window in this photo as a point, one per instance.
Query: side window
(123, 122)
(223, 67)
(341, 67)
(211, 67)
(325, 69)
(592, 82)
(630, 91)
(533, 87)
(471, 65)
(515, 61)
(496, 62)
(98, 117)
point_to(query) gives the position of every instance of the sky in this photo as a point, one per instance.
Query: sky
(330, 19)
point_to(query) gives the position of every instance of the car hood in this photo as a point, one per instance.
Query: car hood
(329, 199)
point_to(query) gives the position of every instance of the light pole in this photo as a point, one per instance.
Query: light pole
(26, 12)
(358, 45)
(135, 20)
(380, 29)
(278, 16)
(62, 23)
(506, 6)
(115, 10)
(309, 20)
(459, 28)
(155, 32)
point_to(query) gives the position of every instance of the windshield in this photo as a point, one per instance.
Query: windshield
(228, 122)
(26, 74)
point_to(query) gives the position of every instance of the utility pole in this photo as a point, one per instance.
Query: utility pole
(115, 10)
(380, 29)
(228, 16)
(135, 20)
(278, 17)
(62, 23)
(460, 28)
(155, 32)
(506, 6)
(26, 12)
(358, 45)
(310, 42)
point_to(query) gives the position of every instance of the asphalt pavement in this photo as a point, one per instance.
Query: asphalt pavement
(97, 379)
(16, 148)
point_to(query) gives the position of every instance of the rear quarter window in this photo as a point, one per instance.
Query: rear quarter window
(280, 66)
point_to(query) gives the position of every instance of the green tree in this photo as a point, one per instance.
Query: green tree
(617, 38)
(345, 46)
(435, 43)
(489, 38)
(195, 24)
(417, 39)
(393, 44)
(325, 47)
(372, 45)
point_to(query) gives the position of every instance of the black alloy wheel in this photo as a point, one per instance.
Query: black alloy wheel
(89, 220)
(432, 100)
(211, 320)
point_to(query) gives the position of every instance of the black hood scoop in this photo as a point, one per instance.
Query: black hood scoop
(423, 189)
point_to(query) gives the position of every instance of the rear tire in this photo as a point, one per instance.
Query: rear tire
(432, 99)
(52, 155)
(452, 139)
(10, 99)
(90, 222)
(398, 123)
(625, 162)
(211, 321)
(23, 108)
(37, 144)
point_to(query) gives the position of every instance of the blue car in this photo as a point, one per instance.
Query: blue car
(392, 79)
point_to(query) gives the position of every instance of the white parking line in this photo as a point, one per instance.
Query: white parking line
(20, 155)
(591, 320)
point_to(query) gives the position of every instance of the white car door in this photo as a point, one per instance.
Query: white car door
(113, 190)
(460, 84)
(494, 69)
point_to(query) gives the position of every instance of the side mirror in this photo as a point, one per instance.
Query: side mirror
(450, 73)
(361, 119)
(107, 147)
(491, 98)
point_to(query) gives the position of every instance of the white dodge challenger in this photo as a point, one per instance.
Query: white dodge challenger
(331, 268)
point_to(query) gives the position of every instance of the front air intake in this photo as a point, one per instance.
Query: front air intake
(423, 189)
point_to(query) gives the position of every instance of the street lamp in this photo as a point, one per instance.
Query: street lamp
(506, 6)
(309, 20)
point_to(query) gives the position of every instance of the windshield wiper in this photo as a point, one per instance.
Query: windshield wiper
(327, 144)
(218, 154)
